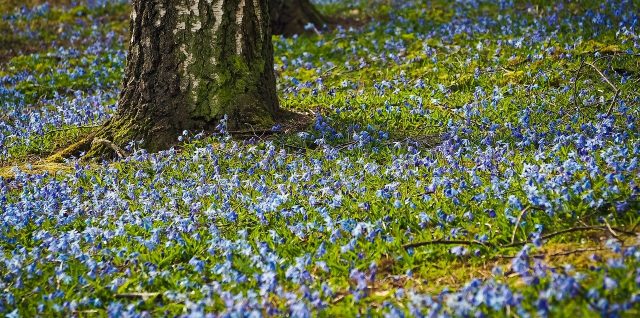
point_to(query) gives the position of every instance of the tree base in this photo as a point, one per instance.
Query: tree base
(106, 142)
(110, 140)
(74, 150)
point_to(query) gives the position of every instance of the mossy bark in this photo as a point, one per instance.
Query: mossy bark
(289, 17)
(190, 63)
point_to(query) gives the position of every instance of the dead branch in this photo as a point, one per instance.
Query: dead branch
(552, 255)
(524, 211)
(611, 231)
(446, 242)
(143, 295)
(570, 230)
(615, 89)
(520, 243)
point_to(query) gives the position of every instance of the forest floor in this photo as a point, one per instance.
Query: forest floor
(461, 158)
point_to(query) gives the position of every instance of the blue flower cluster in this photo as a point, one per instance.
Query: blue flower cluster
(465, 159)
(75, 88)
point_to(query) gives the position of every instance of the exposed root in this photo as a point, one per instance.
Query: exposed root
(108, 140)
(98, 144)
(121, 153)
(73, 150)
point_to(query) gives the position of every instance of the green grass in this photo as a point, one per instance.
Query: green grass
(455, 71)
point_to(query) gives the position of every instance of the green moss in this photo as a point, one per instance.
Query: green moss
(52, 168)
(433, 268)
(233, 86)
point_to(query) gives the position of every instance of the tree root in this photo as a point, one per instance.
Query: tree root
(108, 140)
(94, 145)
(73, 150)
(121, 153)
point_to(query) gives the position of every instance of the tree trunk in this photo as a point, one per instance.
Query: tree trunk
(289, 17)
(190, 63)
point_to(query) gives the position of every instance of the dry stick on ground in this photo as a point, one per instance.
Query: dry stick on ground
(558, 254)
(446, 242)
(524, 211)
(570, 230)
(613, 233)
(253, 132)
(143, 295)
(519, 243)
(610, 53)
(615, 89)
(613, 102)
(326, 73)
(294, 147)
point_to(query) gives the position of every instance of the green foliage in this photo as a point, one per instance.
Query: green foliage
(352, 87)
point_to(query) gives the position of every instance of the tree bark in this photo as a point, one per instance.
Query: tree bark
(289, 17)
(190, 63)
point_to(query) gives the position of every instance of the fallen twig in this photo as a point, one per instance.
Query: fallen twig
(602, 75)
(604, 53)
(294, 147)
(87, 311)
(446, 242)
(613, 233)
(576, 251)
(143, 295)
(346, 145)
(338, 298)
(252, 132)
(570, 230)
(326, 72)
(519, 243)
(558, 254)
(524, 211)
(615, 89)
